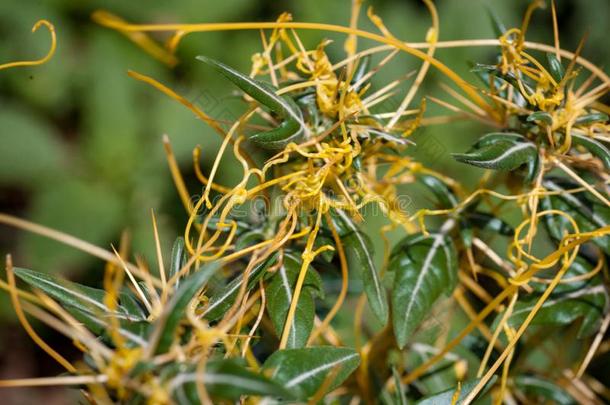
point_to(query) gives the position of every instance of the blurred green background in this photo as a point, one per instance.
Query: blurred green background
(80, 142)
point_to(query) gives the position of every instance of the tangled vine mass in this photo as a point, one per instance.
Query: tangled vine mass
(247, 308)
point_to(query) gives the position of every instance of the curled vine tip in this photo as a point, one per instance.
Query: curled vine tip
(43, 60)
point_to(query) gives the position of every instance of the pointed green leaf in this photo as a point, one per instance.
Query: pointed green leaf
(586, 210)
(131, 304)
(555, 67)
(498, 26)
(364, 65)
(509, 77)
(489, 222)
(540, 116)
(487, 75)
(544, 390)
(165, 327)
(249, 238)
(223, 379)
(86, 299)
(591, 118)
(503, 155)
(279, 297)
(225, 298)
(579, 267)
(596, 148)
(359, 253)
(562, 309)
(303, 371)
(134, 331)
(441, 191)
(386, 136)
(292, 126)
(446, 397)
(425, 267)
(494, 137)
(399, 394)
(179, 258)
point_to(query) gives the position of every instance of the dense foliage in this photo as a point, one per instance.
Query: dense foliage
(249, 308)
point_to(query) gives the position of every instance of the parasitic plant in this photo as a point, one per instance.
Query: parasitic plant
(249, 308)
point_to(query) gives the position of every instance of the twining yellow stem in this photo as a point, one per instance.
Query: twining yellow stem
(308, 256)
(580, 180)
(70, 241)
(20, 293)
(54, 381)
(528, 16)
(594, 346)
(42, 60)
(344, 283)
(472, 395)
(148, 44)
(134, 282)
(189, 28)
(26, 325)
(503, 320)
(351, 43)
(177, 176)
(463, 43)
(548, 261)
(200, 175)
(259, 318)
(555, 30)
(432, 38)
(196, 110)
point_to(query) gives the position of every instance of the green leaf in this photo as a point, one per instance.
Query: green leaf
(399, 393)
(588, 213)
(303, 371)
(225, 298)
(493, 137)
(134, 331)
(292, 126)
(87, 305)
(489, 222)
(359, 253)
(579, 267)
(544, 390)
(503, 151)
(249, 238)
(501, 155)
(322, 240)
(364, 65)
(595, 147)
(279, 297)
(441, 191)
(509, 77)
(86, 299)
(497, 25)
(555, 67)
(224, 379)
(386, 136)
(591, 118)
(179, 258)
(424, 268)
(540, 116)
(488, 76)
(166, 326)
(446, 397)
(588, 303)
